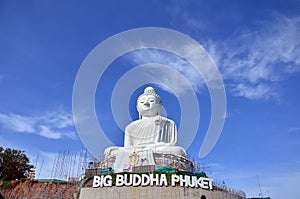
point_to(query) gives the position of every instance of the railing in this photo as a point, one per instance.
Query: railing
(223, 187)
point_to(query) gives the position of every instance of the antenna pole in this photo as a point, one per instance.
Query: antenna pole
(259, 186)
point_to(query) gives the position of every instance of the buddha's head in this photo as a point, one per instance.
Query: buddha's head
(149, 103)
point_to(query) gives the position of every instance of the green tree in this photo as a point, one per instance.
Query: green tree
(14, 164)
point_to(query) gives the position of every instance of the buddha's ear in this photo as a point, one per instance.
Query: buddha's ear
(160, 107)
(137, 108)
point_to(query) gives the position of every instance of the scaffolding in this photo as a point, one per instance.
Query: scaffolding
(69, 166)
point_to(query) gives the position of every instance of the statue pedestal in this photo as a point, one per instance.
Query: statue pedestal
(158, 159)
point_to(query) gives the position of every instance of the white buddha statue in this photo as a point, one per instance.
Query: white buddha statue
(151, 133)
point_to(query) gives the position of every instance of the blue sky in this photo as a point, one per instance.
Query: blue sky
(255, 45)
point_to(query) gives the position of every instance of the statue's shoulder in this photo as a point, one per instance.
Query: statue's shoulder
(167, 120)
(132, 124)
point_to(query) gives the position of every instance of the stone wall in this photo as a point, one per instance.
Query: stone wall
(55, 190)
(35, 190)
(154, 192)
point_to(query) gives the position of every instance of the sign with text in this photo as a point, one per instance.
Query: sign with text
(152, 180)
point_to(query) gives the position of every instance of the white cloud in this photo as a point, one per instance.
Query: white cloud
(294, 129)
(59, 120)
(251, 62)
(53, 125)
(255, 60)
(259, 91)
(182, 15)
(48, 132)
(18, 123)
(183, 67)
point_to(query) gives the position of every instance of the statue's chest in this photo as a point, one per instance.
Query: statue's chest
(147, 131)
(146, 128)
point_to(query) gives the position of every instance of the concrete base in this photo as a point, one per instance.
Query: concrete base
(155, 192)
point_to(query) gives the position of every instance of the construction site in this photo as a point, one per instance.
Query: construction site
(72, 177)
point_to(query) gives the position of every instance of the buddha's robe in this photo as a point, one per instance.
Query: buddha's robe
(157, 134)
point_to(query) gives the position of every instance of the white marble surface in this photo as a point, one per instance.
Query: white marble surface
(151, 132)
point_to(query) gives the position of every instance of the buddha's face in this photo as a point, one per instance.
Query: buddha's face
(148, 106)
